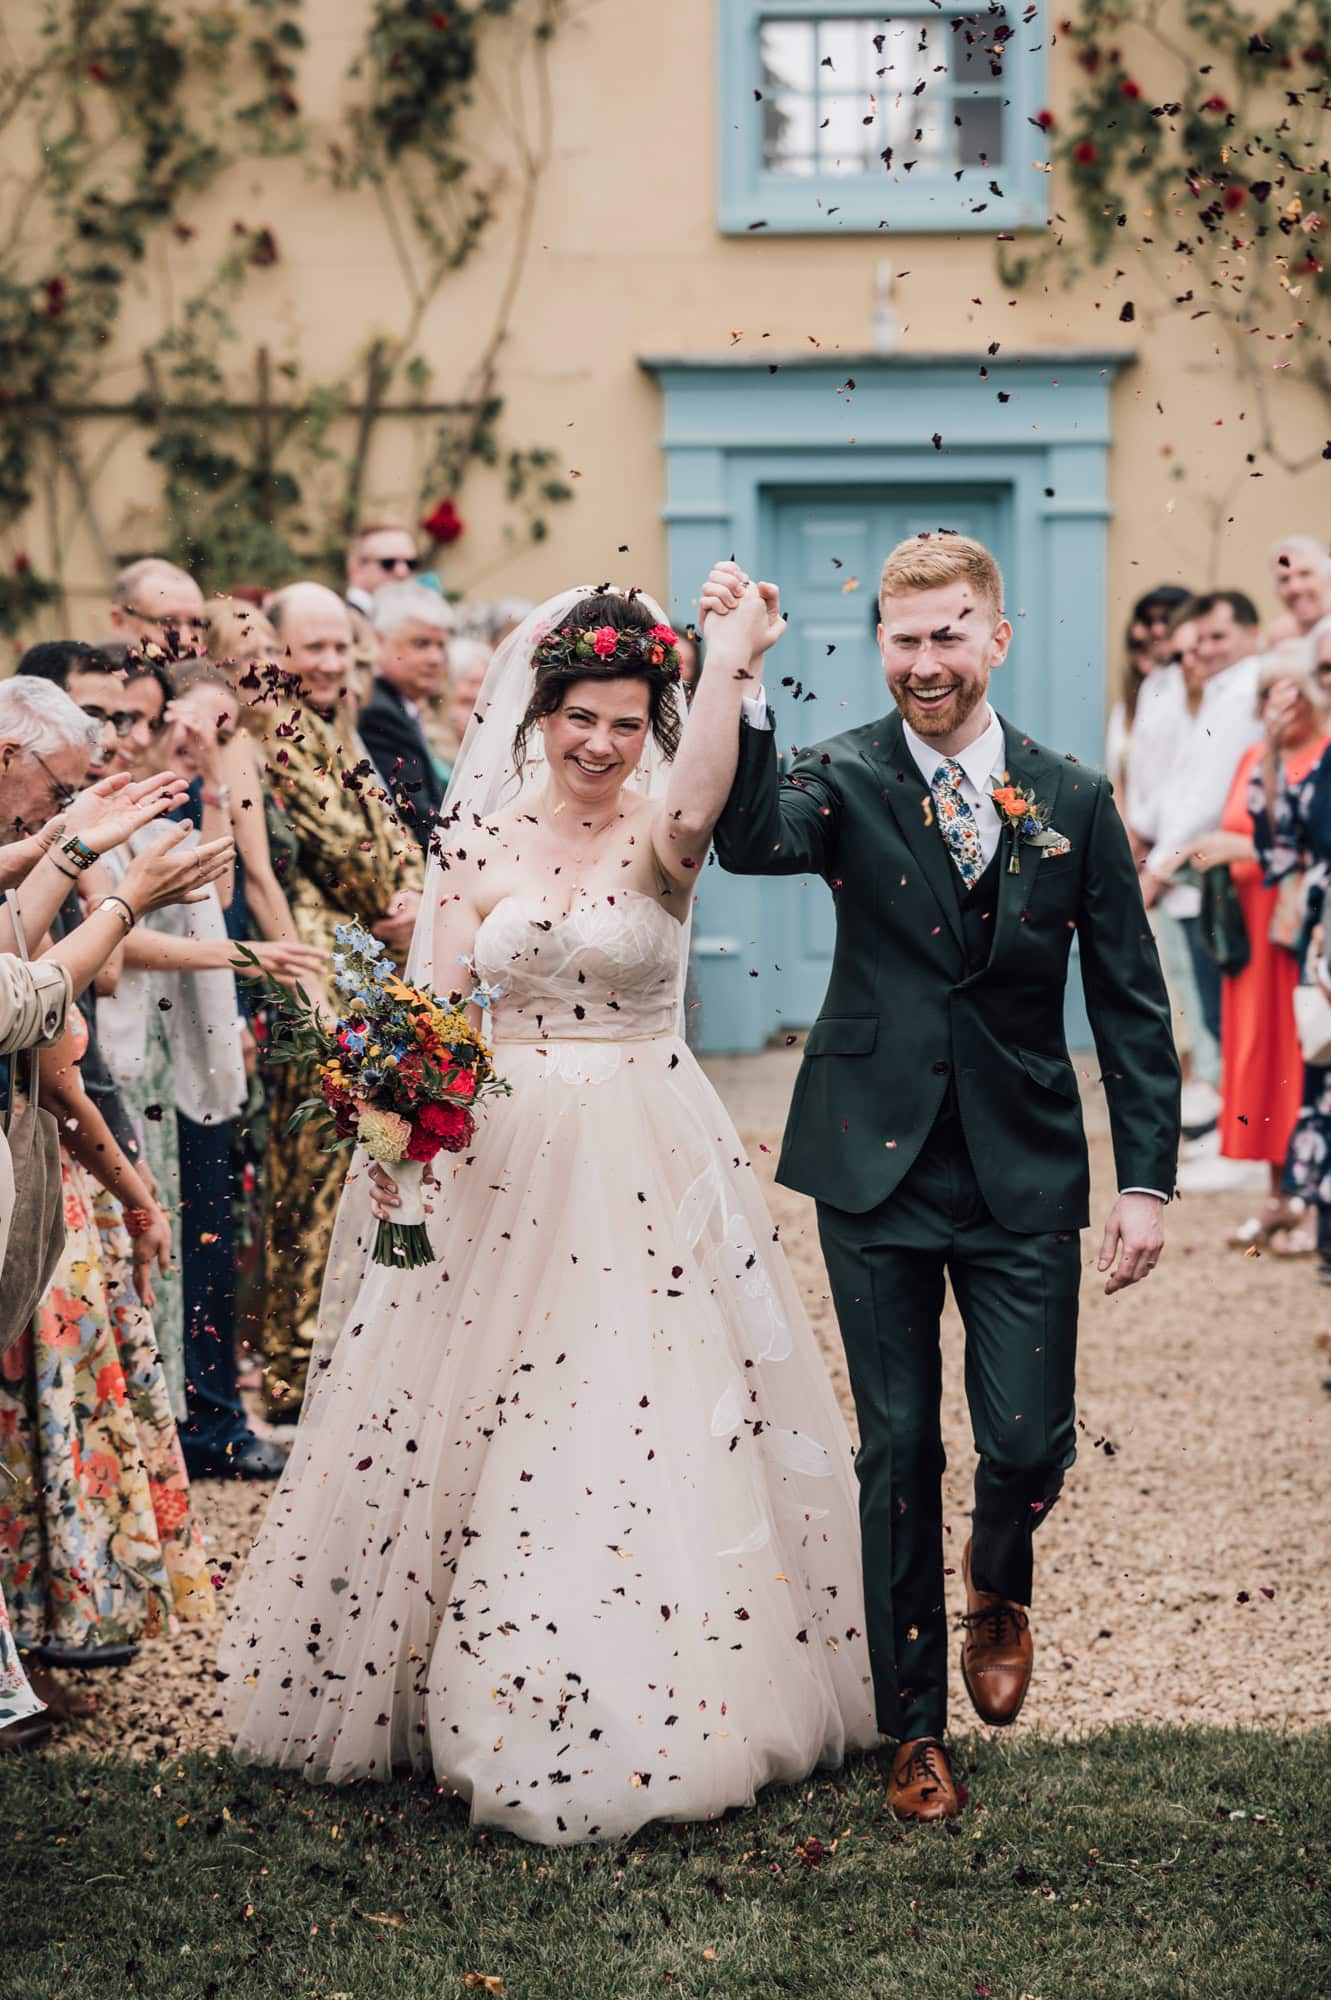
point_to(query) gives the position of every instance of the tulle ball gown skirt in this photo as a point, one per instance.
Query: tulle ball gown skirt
(570, 1526)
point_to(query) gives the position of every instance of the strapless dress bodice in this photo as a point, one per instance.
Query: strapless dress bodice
(606, 971)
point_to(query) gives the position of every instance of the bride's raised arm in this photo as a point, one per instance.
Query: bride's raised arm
(740, 620)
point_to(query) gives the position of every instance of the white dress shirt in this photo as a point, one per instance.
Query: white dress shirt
(981, 762)
(1191, 761)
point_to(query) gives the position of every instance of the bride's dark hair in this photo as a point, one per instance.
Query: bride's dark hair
(623, 612)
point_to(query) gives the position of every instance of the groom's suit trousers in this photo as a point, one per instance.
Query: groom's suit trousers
(1017, 1296)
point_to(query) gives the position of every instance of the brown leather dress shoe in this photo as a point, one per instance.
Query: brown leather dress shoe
(997, 1653)
(921, 1785)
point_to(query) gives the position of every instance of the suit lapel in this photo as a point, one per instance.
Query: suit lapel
(1027, 765)
(912, 807)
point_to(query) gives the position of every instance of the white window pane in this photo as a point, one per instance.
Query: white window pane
(844, 44)
(788, 133)
(838, 90)
(787, 50)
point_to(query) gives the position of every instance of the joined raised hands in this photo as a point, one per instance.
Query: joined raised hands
(733, 607)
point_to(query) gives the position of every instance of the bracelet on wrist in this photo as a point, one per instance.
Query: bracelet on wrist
(70, 874)
(79, 852)
(138, 1221)
(120, 908)
(221, 797)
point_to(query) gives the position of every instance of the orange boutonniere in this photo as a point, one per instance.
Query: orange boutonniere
(1028, 818)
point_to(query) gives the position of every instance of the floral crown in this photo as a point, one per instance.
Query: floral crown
(657, 648)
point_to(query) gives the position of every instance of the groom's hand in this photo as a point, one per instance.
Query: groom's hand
(1135, 1235)
(751, 611)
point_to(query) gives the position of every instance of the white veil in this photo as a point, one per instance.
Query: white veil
(484, 779)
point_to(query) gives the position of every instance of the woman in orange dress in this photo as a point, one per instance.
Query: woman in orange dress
(1261, 1083)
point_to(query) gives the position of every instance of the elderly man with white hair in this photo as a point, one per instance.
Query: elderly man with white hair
(413, 626)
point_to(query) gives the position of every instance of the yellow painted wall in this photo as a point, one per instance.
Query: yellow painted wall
(626, 259)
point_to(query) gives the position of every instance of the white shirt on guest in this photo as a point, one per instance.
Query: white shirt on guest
(1197, 769)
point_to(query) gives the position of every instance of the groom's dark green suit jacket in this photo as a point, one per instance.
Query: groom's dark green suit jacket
(905, 1015)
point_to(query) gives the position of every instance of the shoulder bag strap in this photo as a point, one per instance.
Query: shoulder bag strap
(16, 918)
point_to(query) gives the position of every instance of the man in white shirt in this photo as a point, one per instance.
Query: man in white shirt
(1209, 732)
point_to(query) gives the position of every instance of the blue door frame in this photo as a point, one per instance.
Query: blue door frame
(739, 433)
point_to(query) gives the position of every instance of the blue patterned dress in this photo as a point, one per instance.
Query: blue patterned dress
(1297, 835)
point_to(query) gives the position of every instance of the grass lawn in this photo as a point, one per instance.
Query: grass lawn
(1136, 1863)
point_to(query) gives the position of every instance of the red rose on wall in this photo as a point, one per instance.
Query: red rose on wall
(1085, 154)
(444, 524)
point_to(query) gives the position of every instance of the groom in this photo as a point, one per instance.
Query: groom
(936, 1119)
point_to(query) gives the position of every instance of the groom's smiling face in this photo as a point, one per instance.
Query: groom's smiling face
(939, 647)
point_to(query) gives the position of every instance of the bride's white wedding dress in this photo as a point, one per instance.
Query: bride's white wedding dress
(571, 1522)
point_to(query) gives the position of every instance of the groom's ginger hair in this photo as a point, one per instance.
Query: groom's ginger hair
(927, 562)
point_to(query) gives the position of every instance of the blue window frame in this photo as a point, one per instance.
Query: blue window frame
(849, 115)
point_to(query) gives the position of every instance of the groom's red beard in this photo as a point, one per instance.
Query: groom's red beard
(939, 718)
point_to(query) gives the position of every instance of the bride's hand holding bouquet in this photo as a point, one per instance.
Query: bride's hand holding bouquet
(398, 1072)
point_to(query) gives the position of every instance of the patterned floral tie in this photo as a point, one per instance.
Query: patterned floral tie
(956, 821)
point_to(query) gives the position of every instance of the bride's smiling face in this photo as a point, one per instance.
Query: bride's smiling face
(595, 737)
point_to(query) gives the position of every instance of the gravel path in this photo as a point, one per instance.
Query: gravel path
(1182, 1577)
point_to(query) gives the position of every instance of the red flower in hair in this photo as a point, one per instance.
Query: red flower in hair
(604, 642)
(665, 634)
(444, 524)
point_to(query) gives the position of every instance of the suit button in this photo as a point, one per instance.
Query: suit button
(941, 1068)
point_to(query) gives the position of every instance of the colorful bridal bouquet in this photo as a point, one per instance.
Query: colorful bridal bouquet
(398, 1071)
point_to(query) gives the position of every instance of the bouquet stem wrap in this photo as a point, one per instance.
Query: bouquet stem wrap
(404, 1243)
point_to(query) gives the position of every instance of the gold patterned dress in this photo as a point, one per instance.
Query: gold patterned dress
(341, 857)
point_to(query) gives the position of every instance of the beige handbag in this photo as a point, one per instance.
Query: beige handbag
(37, 1228)
(1312, 1019)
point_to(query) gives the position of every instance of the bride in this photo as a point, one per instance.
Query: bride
(570, 1524)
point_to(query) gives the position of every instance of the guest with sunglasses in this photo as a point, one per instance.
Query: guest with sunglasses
(381, 552)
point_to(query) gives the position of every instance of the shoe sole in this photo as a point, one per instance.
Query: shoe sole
(995, 1721)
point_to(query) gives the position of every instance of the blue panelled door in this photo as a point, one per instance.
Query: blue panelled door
(826, 552)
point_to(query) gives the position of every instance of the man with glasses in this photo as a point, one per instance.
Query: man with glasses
(155, 604)
(381, 552)
(106, 691)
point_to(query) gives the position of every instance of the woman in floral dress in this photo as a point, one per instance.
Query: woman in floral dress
(98, 1548)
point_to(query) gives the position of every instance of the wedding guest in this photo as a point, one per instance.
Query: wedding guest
(1138, 663)
(347, 859)
(1301, 572)
(1261, 1068)
(380, 552)
(96, 1543)
(1292, 832)
(444, 717)
(1162, 711)
(413, 626)
(155, 603)
(172, 1040)
(1218, 721)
